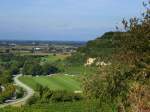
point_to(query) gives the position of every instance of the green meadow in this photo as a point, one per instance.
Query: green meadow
(53, 58)
(57, 82)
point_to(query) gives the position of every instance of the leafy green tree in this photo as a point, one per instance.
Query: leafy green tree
(5, 77)
(49, 69)
(14, 69)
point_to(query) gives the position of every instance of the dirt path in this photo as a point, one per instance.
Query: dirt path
(29, 93)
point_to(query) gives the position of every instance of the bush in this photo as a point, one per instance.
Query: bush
(35, 68)
(19, 92)
(45, 95)
(49, 69)
(32, 100)
(8, 93)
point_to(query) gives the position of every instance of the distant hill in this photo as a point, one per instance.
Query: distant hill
(112, 46)
(103, 47)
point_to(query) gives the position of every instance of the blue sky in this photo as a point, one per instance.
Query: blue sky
(63, 19)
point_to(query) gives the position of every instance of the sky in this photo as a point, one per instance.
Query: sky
(72, 20)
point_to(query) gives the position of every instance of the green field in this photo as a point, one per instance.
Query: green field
(53, 58)
(57, 82)
(79, 70)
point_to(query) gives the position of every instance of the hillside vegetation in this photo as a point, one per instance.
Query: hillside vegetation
(125, 82)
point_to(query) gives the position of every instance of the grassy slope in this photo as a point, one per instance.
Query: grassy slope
(79, 70)
(52, 58)
(81, 106)
(60, 82)
(72, 70)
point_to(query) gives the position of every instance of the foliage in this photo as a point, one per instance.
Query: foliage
(131, 49)
(7, 93)
(49, 69)
(35, 68)
(19, 92)
(75, 59)
(45, 95)
(80, 106)
(5, 77)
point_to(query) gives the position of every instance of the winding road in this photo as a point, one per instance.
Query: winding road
(29, 92)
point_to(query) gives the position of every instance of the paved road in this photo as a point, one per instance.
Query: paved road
(22, 101)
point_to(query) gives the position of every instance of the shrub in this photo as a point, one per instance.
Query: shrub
(32, 100)
(19, 92)
(45, 95)
(8, 93)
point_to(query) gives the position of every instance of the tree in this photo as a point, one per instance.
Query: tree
(32, 68)
(49, 69)
(5, 77)
(14, 68)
